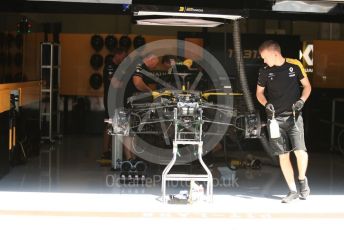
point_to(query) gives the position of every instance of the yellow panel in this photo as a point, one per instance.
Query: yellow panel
(4, 100)
(29, 93)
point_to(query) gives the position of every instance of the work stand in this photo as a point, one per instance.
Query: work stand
(187, 136)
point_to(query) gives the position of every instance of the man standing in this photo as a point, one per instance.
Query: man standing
(281, 77)
(108, 73)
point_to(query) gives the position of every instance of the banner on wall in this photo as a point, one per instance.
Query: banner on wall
(306, 56)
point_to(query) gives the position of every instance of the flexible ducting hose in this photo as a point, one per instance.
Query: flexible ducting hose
(241, 67)
(244, 84)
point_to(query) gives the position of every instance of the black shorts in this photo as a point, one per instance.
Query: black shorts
(292, 136)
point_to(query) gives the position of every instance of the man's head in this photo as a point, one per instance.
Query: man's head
(270, 51)
(151, 61)
(119, 55)
(166, 60)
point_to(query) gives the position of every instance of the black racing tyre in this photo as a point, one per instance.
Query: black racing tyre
(108, 59)
(96, 61)
(125, 42)
(139, 41)
(111, 42)
(96, 81)
(97, 42)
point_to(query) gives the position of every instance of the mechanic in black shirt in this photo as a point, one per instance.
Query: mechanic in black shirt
(137, 84)
(109, 70)
(142, 77)
(281, 77)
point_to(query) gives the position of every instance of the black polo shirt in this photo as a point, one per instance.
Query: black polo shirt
(282, 84)
(140, 71)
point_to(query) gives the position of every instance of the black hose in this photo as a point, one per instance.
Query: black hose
(244, 84)
(241, 67)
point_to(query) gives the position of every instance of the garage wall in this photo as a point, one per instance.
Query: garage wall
(76, 70)
(31, 54)
(328, 64)
(10, 71)
(82, 24)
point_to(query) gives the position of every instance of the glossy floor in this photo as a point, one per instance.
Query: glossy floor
(65, 181)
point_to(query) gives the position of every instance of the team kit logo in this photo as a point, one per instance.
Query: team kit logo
(291, 72)
(271, 76)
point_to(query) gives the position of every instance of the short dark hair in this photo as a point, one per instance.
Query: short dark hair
(149, 56)
(167, 58)
(269, 44)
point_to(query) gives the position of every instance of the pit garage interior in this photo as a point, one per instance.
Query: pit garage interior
(53, 171)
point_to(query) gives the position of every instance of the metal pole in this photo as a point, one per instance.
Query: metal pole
(333, 117)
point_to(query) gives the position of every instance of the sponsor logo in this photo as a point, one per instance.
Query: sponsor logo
(291, 72)
(271, 76)
(307, 54)
(190, 9)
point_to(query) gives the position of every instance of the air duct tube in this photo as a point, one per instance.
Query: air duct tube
(241, 67)
(244, 84)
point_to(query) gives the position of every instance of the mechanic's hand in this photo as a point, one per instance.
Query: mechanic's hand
(298, 105)
(269, 109)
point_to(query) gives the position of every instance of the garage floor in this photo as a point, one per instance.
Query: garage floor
(65, 185)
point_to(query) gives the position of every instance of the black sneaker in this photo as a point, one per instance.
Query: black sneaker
(292, 195)
(304, 189)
